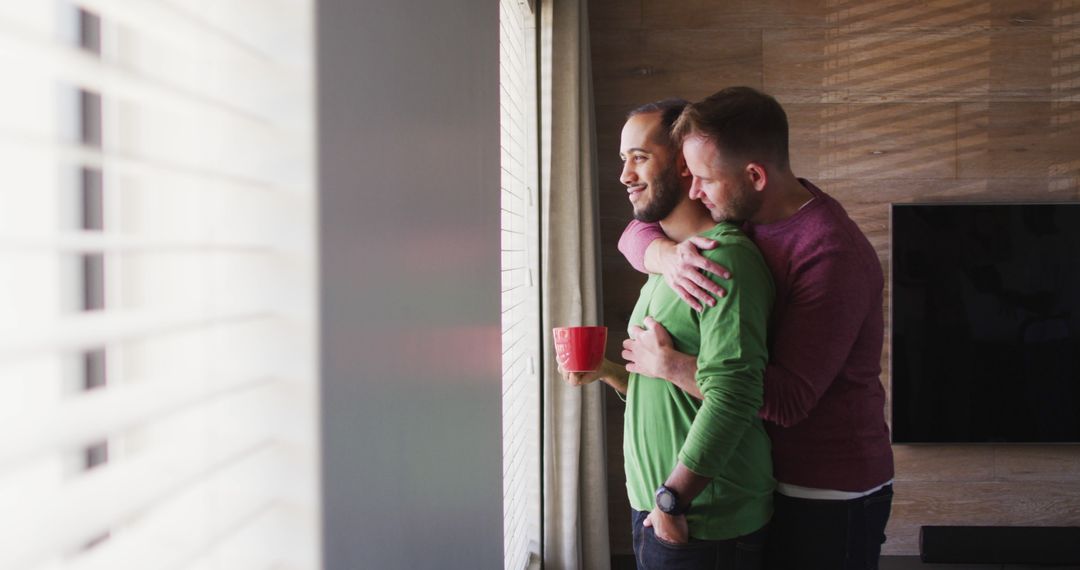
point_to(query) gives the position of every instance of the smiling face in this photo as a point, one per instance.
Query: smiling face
(650, 168)
(727, 191)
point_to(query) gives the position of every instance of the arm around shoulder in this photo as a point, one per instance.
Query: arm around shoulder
(635, 241)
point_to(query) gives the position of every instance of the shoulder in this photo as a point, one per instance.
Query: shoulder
(736, 251)
(732, 244)
(827, 233)
(730, 240)
(836, 257)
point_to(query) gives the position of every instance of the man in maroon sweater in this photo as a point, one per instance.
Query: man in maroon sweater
(824, 402)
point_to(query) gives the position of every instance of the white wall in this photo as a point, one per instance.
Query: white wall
(409, 254)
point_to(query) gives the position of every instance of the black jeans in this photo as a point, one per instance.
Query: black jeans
(742, 553)
(811, 534)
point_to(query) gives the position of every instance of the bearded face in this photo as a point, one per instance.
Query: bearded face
(659, 195)
(729, 195)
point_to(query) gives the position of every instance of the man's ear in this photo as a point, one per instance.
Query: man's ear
(681, 167)
(757, 175)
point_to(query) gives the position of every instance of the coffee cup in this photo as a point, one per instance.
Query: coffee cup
(580, 349)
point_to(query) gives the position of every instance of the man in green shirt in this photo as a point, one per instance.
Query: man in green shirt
(698, 469)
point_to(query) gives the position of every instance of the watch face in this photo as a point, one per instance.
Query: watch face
(665, 500)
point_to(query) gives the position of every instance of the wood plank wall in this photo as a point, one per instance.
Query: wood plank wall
(889, 101)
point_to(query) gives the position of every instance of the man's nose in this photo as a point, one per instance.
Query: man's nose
(628, 176)
(695, 189)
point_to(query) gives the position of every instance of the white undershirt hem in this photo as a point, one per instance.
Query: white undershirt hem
(797, 492)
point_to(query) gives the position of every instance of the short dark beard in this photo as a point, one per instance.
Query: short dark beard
(742, 206)
(667, 192)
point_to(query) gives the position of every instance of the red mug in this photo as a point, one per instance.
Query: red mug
(580, 349)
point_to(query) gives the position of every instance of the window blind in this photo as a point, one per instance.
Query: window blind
(520, 296)
(157, 285)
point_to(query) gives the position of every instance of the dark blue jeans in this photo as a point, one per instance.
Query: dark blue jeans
(651, 553)
(810, 534)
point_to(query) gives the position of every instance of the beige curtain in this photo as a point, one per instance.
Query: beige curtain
(575, 473)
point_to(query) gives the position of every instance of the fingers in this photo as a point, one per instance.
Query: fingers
(634, 331)
(687, 298)
(707, 284)
(705, 264)
(703, 242)
(575, 379)
(691, 255)
(571, 378)
(648, 522)
(628, 348)
(701, 294)
(661, 334)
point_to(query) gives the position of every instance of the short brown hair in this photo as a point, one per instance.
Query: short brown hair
(745, 124)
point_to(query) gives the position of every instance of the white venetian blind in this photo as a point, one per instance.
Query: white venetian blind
(520, 297)
(157, 296)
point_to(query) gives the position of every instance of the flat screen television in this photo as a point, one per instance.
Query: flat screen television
(985, 323)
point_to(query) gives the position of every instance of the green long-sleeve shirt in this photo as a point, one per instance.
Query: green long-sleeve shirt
(721, 437)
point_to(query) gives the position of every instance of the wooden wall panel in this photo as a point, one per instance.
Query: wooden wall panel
(940, 464)
(954, 64)
(873, 141)
(979, 503)
(1037, 463)
(888, 101)
(614, 15)
(648, 65)
(1019, 139)
(733, 14)
(877, 15)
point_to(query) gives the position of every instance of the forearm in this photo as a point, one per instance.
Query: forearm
(635, 239)
(682, 371)
(615, 375)
(686, 483)
(654, 254)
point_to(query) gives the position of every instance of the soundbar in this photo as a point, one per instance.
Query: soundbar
(1000, 544)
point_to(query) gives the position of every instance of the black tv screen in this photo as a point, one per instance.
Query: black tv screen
(985, 317)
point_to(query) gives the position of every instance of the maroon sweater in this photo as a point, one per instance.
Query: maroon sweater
(824, 403)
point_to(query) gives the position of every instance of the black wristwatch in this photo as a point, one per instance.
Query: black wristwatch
(667, 500)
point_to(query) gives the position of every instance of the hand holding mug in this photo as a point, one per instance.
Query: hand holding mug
(579, 349)
(580, 378)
